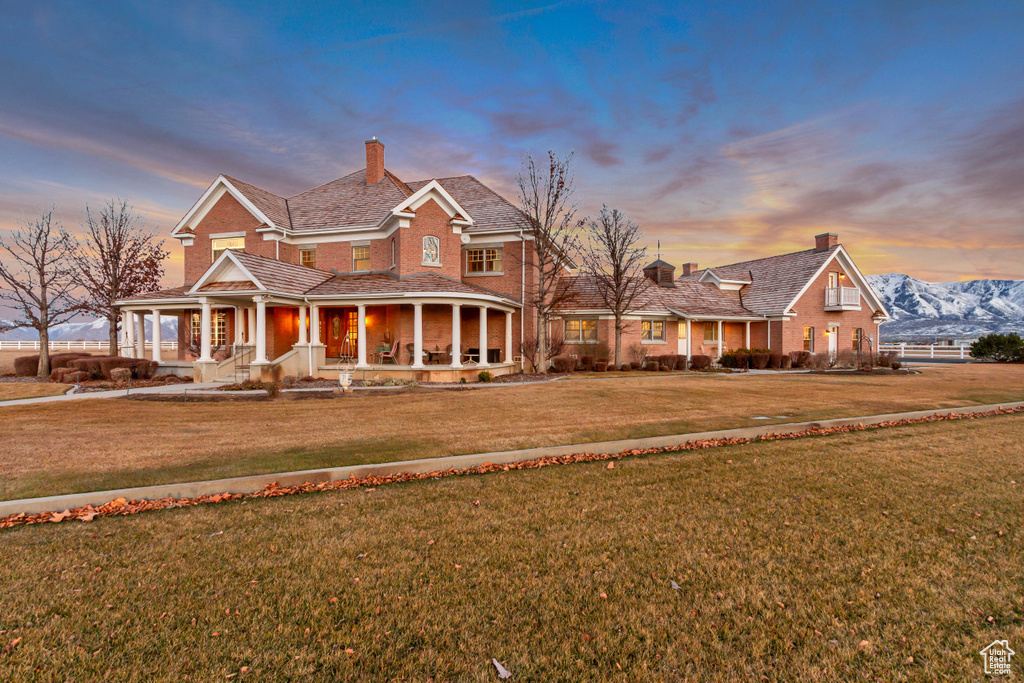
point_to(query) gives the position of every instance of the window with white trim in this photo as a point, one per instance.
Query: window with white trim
(580, 330)
(307, 257)
(809, 339)
(431, 251)
(222, 244)
(393, 252)
(361, 258)
(218, 328)
(858, 335)
(652, 330)
(483, 260)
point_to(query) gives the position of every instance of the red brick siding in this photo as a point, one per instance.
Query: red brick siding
(430, 219)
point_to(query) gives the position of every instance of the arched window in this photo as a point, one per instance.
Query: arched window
(431, 251)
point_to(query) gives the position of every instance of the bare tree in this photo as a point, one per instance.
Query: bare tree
(118, 257)
(38, 279)
(611, 255)
(548, 214)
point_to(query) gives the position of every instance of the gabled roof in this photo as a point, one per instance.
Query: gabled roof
(275, 208)
(347, 202)
(235, 271)
(775, 281)
(172, 293)
(490, 211)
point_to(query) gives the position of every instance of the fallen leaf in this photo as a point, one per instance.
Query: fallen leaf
(603, 596)
(503, 673)
(349, 651)
(334, 599)
(11, 645)
(611, 466)
(676, 586)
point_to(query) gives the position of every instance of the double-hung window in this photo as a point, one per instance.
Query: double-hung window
(361, 258)
(307, 257)
(578, 330)
(483, 260)
(809, 339)
(652, 330)
(858, 336)
(711, 332)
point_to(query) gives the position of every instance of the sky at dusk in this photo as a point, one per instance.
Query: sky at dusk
(727, 130)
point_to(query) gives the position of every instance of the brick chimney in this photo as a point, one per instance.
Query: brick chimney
(374, 161)
(825, 241)
(689, 268)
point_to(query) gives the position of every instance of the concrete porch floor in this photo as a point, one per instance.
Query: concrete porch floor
(428, 373)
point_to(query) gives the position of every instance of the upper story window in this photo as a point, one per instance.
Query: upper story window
(483, 261)
(652, 330)
(580, 330)
(393, 252)
(222, 244)
(307, 257)
(361, 258)
(431, 251)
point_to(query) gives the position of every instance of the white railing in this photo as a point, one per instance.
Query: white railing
(928, 351)
(76, 345)
(842, 296)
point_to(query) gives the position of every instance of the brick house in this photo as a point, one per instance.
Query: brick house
(419, 279)
(814, 300)
(427, 280)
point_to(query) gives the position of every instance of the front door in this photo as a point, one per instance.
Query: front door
(335, 331)
(833, 341)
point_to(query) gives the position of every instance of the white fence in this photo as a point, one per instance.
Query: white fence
(928, 351)
(79, 345)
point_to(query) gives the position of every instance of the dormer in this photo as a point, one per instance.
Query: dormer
(722, 283)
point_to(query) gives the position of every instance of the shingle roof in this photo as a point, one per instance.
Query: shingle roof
(775, 280)
(278, 276)
(385, 283)
(172, 293)
(690, 298)
(349, 202)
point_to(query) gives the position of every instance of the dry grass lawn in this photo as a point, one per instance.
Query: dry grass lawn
(15, 390)
(788, 556)
(102, 444)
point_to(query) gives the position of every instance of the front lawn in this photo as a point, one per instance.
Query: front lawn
(10, 391)
(884, 555)
(105, 444)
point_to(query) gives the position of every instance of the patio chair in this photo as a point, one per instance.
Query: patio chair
(448, 353)
(411, 348)
(388, 355)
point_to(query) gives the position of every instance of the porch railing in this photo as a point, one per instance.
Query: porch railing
(842, 296)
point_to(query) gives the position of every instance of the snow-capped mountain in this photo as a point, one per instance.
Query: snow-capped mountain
(962, 310)
(89, 330)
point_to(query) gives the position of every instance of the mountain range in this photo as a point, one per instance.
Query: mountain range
(89, 330)
(959, 310)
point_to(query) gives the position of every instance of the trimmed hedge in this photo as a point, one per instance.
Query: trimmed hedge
(563, 364)
(100, 367)
(700, 362)
(759, 361)
(800, 359)
(601, 366)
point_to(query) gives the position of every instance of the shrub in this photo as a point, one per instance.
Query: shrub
(896, 365)
(774, 361)
(785, 362)
(700, 362)
(600, 366)
(121, 375)
(1002, 348)
(563, 364)
(651, 366)
(759, 361)
(600, 351)
(728, 360)
(289, 381)
(822, 361)
(26, 366)
(664, 368)
(886, 358)
(484, 376)
(272, 389)
(77, 377)
(307, 378)
(845, 359)
(57, 375)
(634, 365)
(586, 363)
(626, 367)
(637, 353)
(800, 359)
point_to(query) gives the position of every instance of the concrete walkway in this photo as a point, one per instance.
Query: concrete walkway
(251, 484)
(171, 389)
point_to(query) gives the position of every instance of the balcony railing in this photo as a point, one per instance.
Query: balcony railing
(842, 298)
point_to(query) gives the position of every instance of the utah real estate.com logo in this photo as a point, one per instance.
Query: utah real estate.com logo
(997, 658)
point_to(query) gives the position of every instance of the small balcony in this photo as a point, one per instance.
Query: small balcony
(842, 299)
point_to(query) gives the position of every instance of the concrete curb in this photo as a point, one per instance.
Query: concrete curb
(257, 482)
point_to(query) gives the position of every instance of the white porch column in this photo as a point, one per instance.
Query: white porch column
(157, 336)
(769, 334)
(314, 324)
(689, 342)
(128, 325)
(417, 335)
(720, 329)
(483, 337)
(250, 317)
(261, 331)
(205, 329)
(361, 361)
(748, 334)
(239, 326)
(140, 334)
(508, 337)
(302, 325)
(456, 335)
